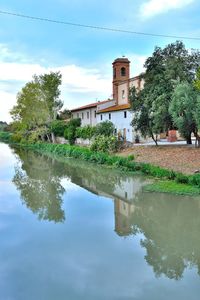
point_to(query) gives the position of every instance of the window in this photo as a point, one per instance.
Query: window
(123, 94)
(114, 72)
(109, 116)
(125, 114)
(123, 71)
(82, 116)
(101, 117)
(77, 115)
(95, 114)
(88, 114)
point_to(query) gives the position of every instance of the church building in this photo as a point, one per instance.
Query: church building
(118, 109)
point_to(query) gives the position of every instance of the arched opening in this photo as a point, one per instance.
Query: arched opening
(123, 71)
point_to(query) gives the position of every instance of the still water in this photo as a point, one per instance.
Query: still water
(77, 231)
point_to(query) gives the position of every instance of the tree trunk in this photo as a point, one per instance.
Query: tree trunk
(197, 142)
(53, 138)
(154, 139)
(189, 140)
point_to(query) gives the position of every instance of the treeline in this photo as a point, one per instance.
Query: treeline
(38, 105)
(170, 98)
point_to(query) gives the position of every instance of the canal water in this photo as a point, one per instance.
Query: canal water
(72, 230)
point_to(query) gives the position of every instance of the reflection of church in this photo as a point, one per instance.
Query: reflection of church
(123, 194)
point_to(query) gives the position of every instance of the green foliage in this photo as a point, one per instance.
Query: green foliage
(165, 69)
(3, 126)
(105, 144)
(181, 178)
(197, 80)
(5, 136)
(105, 128)
(64, 115)
(58, 127)
(183, 109)
(86, 132)
(172, 187)
(70, 131)
(37, 104)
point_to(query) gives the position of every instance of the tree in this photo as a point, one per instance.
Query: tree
(105, 128)
(165, 69)
(183, 109)
(64, 115)
(49, 87)
(38, 104)
(197, 80)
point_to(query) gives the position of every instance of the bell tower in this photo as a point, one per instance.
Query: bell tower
(121, 72)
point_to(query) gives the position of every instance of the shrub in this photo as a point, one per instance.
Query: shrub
(104, 144)
(181, 178)
(86, 132)
(58, 127)
(70, 130)
(105, 128)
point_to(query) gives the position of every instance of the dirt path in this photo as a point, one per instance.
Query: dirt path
(178, 158)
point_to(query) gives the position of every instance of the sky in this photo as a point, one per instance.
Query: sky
(83, 55)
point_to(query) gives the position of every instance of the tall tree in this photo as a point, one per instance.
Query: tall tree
(38, 103)
(183, 109)
(165, 69)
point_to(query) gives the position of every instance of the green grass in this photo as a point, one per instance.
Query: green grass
(172, 187)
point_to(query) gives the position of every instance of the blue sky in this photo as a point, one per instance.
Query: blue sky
(83, 55)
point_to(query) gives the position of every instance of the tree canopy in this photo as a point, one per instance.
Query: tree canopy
(165, 69)
(37, 105)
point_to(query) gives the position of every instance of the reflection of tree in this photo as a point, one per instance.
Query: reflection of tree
(171, 229)
(39, 186)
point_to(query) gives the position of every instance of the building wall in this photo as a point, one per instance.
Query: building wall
(83, 115)
(107, 104)
(137, 83)
(120, 122)
(123, 92)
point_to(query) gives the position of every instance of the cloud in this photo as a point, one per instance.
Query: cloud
(154, 7)
(80, 85)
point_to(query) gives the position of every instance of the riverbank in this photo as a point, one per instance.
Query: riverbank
(185, 184)
(179, 158)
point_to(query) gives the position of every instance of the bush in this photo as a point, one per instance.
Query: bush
(58, 127)
(105, 128)
(181, 178)
(86, 132)
(105, 144)
(70, 130)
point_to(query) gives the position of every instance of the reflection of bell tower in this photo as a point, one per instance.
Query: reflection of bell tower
(123, 214)
(121, 72)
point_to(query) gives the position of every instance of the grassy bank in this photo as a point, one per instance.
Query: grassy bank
(174, 182)
(172, 187)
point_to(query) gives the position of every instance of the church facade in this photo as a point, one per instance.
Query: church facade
(118, 109)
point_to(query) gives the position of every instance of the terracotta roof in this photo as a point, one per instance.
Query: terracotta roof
(91, 105)
(115, 108)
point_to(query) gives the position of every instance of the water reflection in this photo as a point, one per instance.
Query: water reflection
(39, 186)
(169, 225)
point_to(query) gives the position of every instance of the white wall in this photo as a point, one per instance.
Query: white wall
(83, 115)
(117, 118)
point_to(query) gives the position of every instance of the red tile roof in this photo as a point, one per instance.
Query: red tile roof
(115, 108)
(91, 105)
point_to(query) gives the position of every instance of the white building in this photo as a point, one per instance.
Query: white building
(117, 110)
